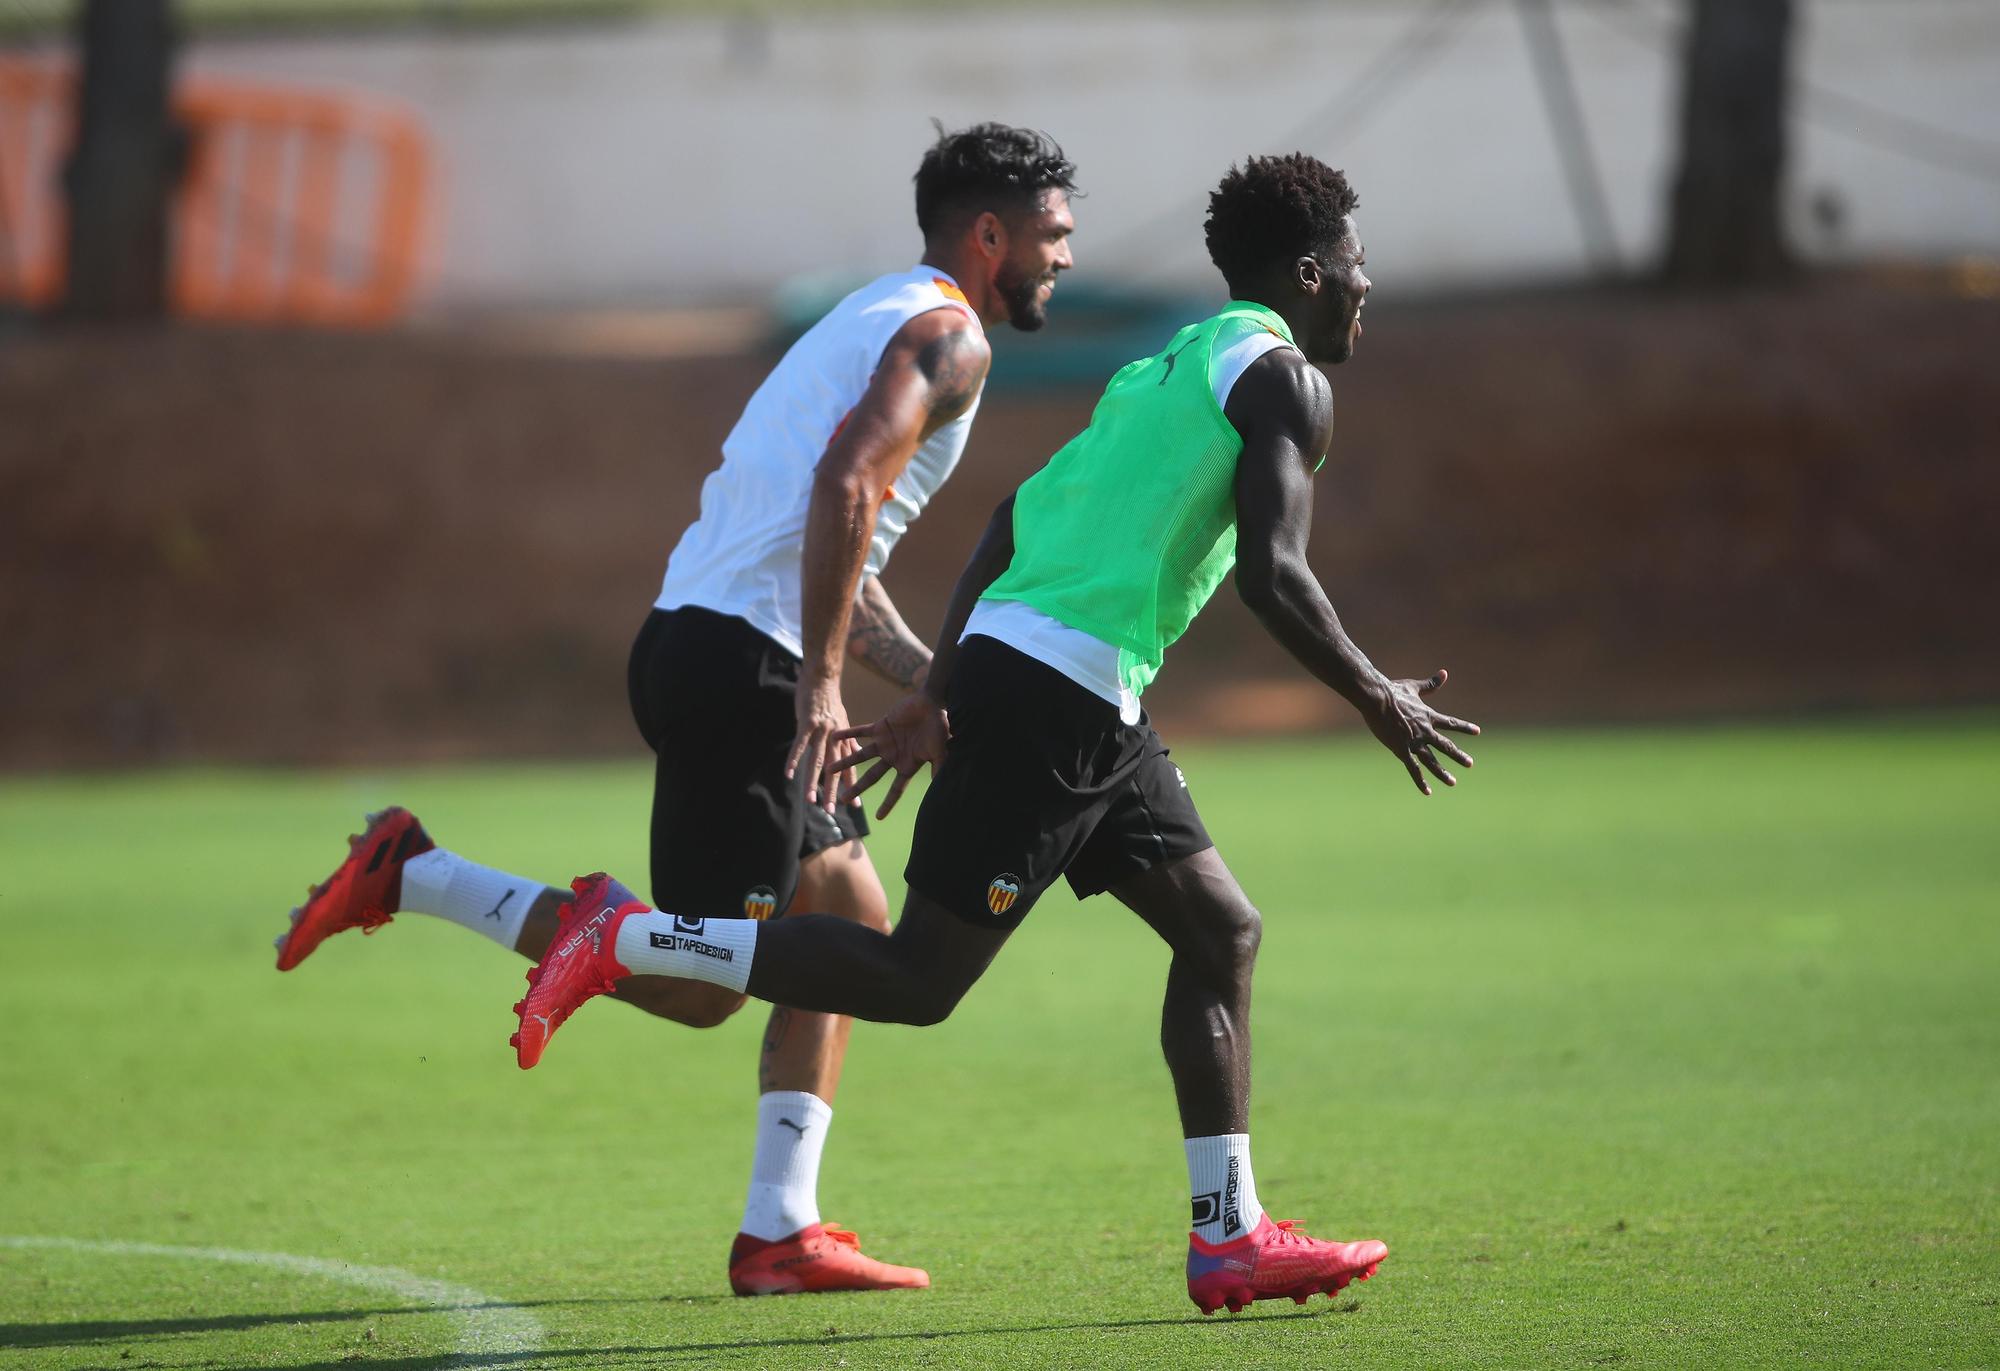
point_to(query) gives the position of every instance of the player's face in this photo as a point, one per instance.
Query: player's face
(1334, 323)
(1037, 248)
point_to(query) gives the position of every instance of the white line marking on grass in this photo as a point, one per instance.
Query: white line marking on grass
(487, 1327)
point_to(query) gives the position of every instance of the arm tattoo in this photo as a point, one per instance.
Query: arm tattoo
(955, 368)
(878, 638)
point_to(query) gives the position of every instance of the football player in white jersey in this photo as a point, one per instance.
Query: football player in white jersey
(735, 676)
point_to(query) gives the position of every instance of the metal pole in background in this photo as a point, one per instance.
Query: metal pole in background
(1727, 225)
(1586, 191)
(121, 178)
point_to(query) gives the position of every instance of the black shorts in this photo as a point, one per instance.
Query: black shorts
(714, 699)
(1042, 780)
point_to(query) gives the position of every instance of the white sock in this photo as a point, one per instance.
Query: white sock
(484, 900)
(784, 1176)
(1225, 1193)
(713, 950)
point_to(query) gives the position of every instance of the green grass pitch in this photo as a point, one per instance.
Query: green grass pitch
(1665, 1049)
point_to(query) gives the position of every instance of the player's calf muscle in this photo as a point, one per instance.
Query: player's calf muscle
(831, 966)
(693, 1003)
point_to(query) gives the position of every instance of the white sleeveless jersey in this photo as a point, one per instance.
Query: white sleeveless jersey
(742, 555)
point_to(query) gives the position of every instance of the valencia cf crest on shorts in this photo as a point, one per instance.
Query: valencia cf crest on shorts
(760, 902)
(1002, 892)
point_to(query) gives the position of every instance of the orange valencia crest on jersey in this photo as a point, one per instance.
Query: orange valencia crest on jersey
(1002, 892)
(760, 903)
(951, 292)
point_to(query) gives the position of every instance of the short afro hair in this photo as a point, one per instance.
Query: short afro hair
(988, 166)
(1274, 210)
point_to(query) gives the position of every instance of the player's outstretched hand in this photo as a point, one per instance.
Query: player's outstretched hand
(817, 744)
(914, 732)
(1408, 727)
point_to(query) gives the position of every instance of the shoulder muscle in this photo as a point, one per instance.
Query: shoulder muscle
(1283, 399)
(942, 352)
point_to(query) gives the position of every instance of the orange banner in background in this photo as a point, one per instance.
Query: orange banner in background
(296, 206)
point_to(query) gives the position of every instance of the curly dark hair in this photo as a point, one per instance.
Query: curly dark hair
(1273, 210)
(988, 166)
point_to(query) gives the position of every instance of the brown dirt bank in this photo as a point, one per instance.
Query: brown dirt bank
(237, 546)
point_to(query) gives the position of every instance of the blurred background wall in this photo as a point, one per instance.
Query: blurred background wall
(696, 157)
(418, 506)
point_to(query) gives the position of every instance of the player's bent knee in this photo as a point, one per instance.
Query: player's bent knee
(1234, 938)
(929, 994)
(930, 961)
(1249, 933)
(926, 1006)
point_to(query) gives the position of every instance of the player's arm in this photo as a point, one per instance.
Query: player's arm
(878, 638)
(1283, 408)
(928, 375)
(916, 730)
(991, 555)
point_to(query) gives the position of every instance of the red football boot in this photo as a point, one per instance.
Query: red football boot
(363, 891)
(580, 965)
(1273, 1261)
(816, 1258)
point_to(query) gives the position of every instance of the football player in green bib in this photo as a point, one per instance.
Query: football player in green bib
(1197, 462)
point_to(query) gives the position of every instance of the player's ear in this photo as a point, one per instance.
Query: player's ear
(990, 234)
(1306, 271)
